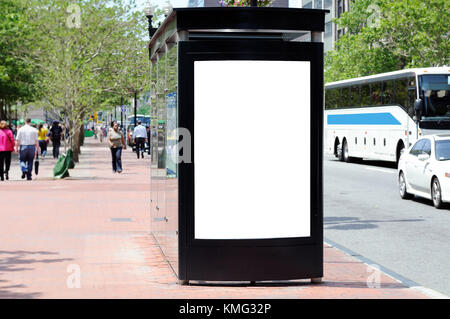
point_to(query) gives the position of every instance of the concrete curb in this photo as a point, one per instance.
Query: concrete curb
(390, 273)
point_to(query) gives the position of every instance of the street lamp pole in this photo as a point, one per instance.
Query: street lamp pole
(121, 113)
(135, 109)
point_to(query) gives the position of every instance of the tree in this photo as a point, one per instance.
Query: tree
(245, 3)
(17, 77)
(389, 35)
(83, 50)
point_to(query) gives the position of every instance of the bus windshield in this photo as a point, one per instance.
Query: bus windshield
(435, 90)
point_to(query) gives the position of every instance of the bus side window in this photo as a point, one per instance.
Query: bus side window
(355, 96)
(365, 95)
(410, 102)
(388, 92)
(328, 99)
(331, 99)
(345, 97)
(401, 90)
(376, 93)
(411, 97)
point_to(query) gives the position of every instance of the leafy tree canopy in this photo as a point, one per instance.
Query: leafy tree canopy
(389, 35)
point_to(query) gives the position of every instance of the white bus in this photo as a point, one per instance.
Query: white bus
(375, 117)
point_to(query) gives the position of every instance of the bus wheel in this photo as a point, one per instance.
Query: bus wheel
(345, 156)
(337, 149)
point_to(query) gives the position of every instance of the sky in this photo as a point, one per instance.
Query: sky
(160, 3)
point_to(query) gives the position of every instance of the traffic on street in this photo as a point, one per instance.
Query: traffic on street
(364, 212)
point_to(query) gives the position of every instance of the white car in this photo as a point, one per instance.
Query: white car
(424, 170)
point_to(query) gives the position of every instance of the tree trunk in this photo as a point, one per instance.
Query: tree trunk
(81, 135)
(76, 144)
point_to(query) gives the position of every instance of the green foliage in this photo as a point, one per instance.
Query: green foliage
(17, 75)
(89, 52)
(145, 110)
(389, 35)
(244, 3)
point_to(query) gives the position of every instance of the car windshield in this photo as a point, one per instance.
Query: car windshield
(443, 150)
(435, 90)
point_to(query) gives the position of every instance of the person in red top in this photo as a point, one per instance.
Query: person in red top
(6, 148)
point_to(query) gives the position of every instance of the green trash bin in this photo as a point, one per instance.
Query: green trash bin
(64, 163)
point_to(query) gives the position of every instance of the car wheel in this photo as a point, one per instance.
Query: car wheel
(402, 187)
(436, 193)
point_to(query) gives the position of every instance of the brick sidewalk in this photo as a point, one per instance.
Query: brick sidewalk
(99, 221)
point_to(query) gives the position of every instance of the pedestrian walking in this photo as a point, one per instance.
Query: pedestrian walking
(42, 137)
(116, 143)
(6, 148)
(28, 145)
(56, 134)
(140, 138)
(100, 133)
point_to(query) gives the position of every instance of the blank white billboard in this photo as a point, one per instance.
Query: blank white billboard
(252, 149)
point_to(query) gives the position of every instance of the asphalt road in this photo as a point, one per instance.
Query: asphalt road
(363, 212)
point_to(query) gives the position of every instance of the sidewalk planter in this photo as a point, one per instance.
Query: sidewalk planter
(237, 117)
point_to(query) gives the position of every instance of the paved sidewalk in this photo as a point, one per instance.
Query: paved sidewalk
(98, 223)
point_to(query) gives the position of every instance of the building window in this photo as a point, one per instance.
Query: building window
(318, 4)
(307, 4)
(340, 8)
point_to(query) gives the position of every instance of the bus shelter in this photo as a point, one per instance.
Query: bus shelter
(236, 127)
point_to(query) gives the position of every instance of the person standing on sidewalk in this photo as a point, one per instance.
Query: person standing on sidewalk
(56, 134)
(140, 138)
(28, 143)
(6, 148)
(100, 133)
(42, 137)
(116, 143)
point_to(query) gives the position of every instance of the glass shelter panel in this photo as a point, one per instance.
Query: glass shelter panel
(164, 179)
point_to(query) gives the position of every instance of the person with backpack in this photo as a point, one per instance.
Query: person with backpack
(56, 134)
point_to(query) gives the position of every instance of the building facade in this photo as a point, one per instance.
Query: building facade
(337, 8)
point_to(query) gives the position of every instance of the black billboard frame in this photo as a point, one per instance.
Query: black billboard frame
(249, 259)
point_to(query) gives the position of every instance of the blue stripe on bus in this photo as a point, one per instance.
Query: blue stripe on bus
(362, 119)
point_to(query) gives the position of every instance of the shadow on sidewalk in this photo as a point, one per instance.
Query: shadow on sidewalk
(13, 263)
